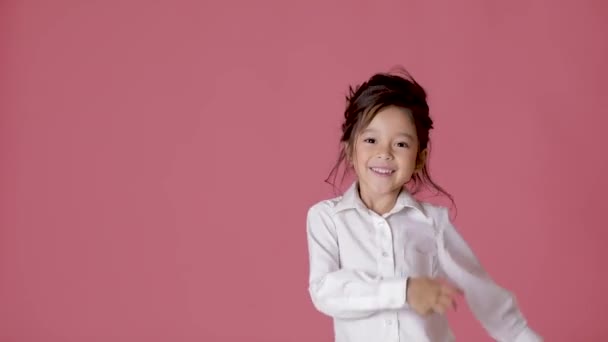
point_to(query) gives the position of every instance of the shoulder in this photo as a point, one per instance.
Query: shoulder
(439, 217)
(433, 210)
(320, 217)
(438, 214)
(324, 207)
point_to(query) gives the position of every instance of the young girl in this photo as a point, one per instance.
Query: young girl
(385, 266)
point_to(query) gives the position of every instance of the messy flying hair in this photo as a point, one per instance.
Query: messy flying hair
(363, 102)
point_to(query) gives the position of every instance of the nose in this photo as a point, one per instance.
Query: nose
(384, 156)
(384, 153)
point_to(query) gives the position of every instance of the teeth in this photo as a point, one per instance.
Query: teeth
(383, 171)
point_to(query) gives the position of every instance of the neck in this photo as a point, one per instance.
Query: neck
(379, 203)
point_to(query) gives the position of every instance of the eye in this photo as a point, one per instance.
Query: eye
(403, 144)
(369, 140)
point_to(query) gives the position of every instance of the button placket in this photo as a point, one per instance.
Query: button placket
(385, 261)
(388, 247)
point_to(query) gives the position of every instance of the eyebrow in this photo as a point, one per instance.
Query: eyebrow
(404, 134)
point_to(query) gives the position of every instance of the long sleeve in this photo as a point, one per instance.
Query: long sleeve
(344, 293)
(495, 307)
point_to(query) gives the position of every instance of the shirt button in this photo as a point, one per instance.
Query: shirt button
(385, 254)
(389, 322)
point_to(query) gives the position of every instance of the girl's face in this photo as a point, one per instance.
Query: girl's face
(385, 153)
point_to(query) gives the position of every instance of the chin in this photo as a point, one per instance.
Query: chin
(383, 189)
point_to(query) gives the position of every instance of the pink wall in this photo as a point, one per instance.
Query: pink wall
(154, 185)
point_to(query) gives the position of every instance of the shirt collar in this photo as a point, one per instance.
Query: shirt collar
(351, 200)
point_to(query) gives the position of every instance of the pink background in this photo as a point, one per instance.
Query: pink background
(158, 158)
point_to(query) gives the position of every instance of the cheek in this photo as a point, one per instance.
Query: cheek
(359, 161)
(359, 154)
(408, 159)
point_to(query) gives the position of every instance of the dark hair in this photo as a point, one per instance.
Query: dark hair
(366, 100)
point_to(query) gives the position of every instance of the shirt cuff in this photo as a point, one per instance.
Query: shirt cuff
(392, 293)
(528, 335)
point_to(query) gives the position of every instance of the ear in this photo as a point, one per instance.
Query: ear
(421, 159)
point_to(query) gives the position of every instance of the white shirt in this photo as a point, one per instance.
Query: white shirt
(360, 261)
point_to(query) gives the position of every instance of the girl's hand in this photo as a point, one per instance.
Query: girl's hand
(427, 295)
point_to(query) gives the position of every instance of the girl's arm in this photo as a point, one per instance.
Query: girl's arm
(495, 307)
(343, 293)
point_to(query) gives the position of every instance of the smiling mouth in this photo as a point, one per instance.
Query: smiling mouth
(382, 171)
